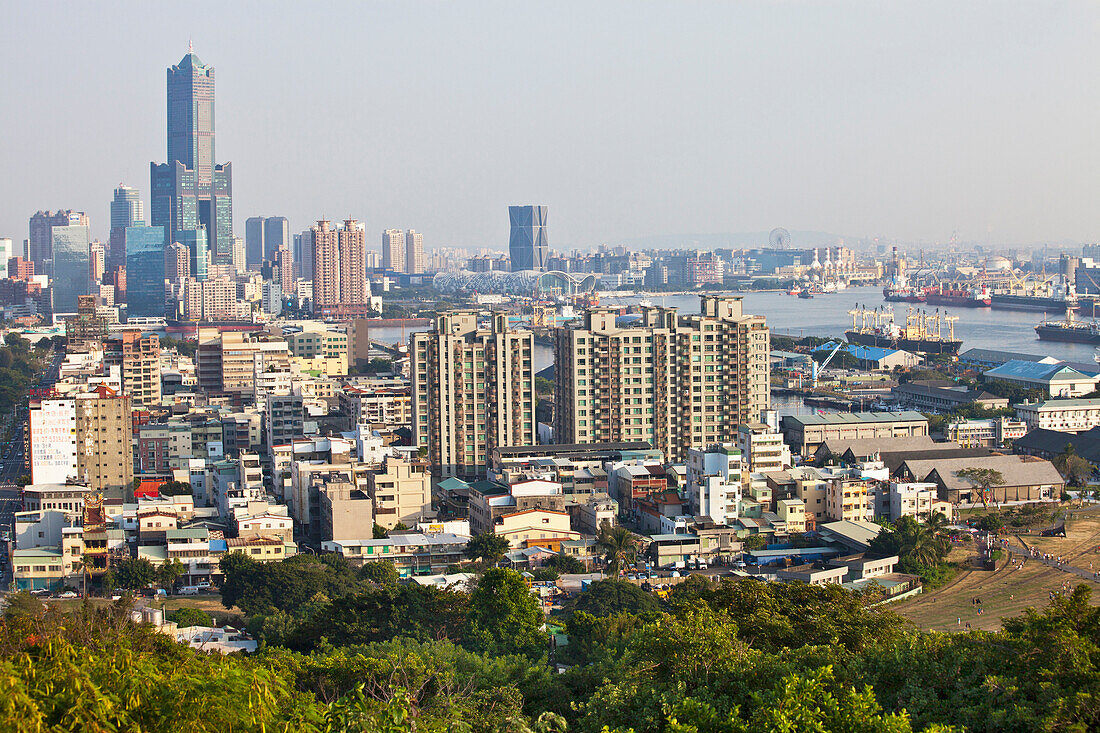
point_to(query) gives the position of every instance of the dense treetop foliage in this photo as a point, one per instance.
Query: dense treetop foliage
(352, 650)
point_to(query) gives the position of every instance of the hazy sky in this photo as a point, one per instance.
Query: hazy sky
(902, 120)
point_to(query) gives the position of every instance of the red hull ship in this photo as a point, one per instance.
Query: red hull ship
(958, 297)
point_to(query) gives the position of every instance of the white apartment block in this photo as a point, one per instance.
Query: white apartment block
(714, 482)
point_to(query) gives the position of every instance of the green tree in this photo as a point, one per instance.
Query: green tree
(488, 547)
(983, 479)
(379, 532)
(613, 596)
(135, 573)
(188, 616)
(380, 571)
(504, 616)
(619, 546)
(1074, 469)
(175, 488)
(24, 604)
(543, 574)
(915, 544)
(170, 572)
(565, 564)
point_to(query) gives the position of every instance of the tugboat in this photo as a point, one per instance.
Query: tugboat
(922, 333)
(805, 294)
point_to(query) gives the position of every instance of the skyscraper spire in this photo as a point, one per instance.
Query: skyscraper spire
(190, 46)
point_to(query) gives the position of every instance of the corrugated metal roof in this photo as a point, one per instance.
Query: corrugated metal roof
(846, 418)
(1035, 371)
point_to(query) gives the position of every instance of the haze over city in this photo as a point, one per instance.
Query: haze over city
(629, 121)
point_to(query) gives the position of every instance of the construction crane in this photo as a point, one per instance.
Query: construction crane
(818, 368)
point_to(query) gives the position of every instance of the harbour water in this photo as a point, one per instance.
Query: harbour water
(827, 315)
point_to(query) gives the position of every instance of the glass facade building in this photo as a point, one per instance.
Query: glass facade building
(197, 244)
(127, 210)
(72, 266)
(529, 242)
(191, 190)
(145, 271)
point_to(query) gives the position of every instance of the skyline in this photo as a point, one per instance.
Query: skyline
(862, 121)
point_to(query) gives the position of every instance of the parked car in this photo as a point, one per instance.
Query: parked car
(69, 594)
(189, 590)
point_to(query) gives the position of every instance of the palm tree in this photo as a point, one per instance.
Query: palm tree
(618, 545)
(938, 523)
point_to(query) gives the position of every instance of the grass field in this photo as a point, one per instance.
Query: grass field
(1006, 591)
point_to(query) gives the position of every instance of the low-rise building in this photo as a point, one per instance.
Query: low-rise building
(804, 433)
(40, 568)
(1056, 380)
(988, 433)
(793, 513)
(944, 396)
(489, 500)
(402, 492)
(535, 528)
(1025, 479)
(715, 482)
(1065, 415)
(412, 553)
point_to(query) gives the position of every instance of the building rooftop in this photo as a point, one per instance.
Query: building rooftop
(854, 418)
(1037, 372)
(1017, 470)
(1062, 404)
(851, 533)
(1086, 443)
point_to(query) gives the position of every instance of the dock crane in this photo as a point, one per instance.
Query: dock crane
(818, 368)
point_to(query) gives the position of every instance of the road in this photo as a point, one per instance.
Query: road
(12, 464)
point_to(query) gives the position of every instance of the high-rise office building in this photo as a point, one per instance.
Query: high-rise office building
(276, 236)
(339, 275)
(72, 268)
(145, 260)
(303, 255)
(6, 252)
(198, 245)
(97, 260)
(473, 391)
(284, 269)
(254, 242)
(191, 190)
(529, 243)
(677, 382)
(40, 244)
(127, 210)
(414, 252)
(393, 250)
(263, 236)
(177, 261)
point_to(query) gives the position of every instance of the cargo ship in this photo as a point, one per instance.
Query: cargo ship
(959, 297)
(899, 291)
(921, 334)
(1069, 329)
(1044, 298)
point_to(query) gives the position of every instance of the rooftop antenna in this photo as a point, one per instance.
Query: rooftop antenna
(190, 46)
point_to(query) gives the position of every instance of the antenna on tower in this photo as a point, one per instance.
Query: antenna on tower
(190, 46)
